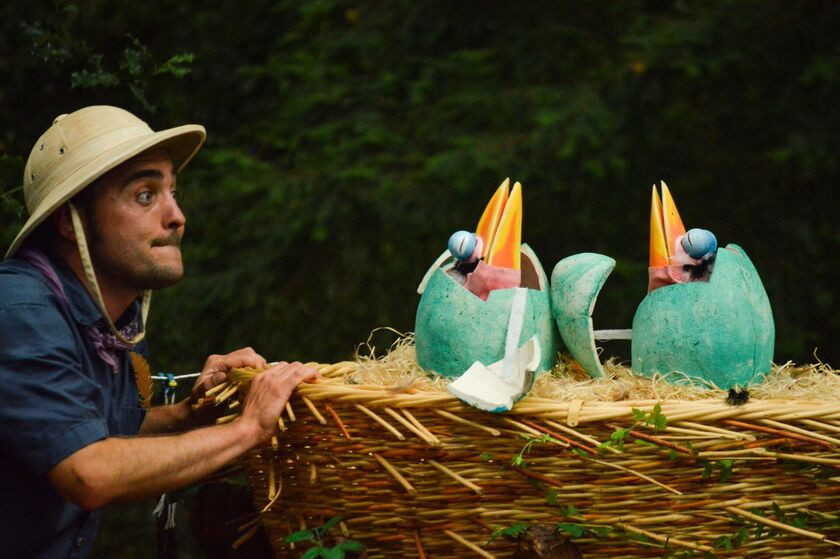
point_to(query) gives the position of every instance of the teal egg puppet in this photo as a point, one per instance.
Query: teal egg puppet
(454, 327)
(720, 331)
(484, 314)
(706, 314)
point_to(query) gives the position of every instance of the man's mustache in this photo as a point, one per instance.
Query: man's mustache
(172, 240)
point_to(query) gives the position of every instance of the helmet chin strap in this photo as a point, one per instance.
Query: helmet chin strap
(87, 264)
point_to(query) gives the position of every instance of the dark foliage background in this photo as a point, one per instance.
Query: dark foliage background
(348, 139)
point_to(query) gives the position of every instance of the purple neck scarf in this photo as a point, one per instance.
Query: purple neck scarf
(106, 344)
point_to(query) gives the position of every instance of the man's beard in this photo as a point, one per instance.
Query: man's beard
(134, 269)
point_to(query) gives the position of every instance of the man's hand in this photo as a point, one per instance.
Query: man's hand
(268, 394)
(215, 371)
(217, 367)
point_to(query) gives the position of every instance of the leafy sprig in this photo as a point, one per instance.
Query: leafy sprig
(654, 419)
(519, 458)
(317, 535)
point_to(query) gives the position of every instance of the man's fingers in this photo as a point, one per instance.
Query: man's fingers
(309, 374)
(295, 371)
(217, 378)
(245, 357)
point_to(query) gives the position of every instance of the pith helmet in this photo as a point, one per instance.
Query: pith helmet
(82, 146)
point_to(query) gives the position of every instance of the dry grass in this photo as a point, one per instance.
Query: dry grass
(398, 369)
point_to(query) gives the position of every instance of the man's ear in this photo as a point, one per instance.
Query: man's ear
(64, 223)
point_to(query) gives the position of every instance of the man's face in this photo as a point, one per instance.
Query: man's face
(134, 224)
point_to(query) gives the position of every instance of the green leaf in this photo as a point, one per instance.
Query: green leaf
(601, 531)
(327, 526)
(332, 553)
(300, 536)
(575, 530)
(741, 535)
(514, 529)
(725, 469)
(351, 545)
(619, 434)
(511, 531)
(87, 79)
(724, 542)
(486, 456)
(311, 553)
(638, 537)
(780, 514)
(178, 65)
(660, 422)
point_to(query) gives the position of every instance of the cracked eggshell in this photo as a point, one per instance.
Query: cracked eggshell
(454, 328)
(721, 331)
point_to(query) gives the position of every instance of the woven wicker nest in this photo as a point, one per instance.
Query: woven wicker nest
(623, 466)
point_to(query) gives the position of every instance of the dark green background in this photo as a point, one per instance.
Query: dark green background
(347, 140)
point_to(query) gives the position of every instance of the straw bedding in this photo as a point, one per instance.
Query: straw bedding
(627, 466)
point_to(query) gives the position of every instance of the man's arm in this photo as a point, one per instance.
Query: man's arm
(119, 469)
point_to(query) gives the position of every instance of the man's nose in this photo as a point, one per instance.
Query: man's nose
(174, 217)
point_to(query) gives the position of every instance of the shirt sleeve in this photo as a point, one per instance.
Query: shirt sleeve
(49, 407)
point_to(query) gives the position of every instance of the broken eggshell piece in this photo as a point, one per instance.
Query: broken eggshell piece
(454, 328)
(575, 284)
(491, 388)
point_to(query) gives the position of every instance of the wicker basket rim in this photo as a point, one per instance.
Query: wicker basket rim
(332, 386)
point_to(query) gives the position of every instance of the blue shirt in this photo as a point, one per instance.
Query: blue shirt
(56, 397)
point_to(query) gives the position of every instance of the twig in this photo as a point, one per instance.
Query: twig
(773, 431)
(421, 554)
(395, 474)
(468, 544)
(341, 426)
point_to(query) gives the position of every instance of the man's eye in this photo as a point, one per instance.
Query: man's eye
(144, 197)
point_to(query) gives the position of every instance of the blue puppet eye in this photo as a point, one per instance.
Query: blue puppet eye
(699, 242)
(462, 244)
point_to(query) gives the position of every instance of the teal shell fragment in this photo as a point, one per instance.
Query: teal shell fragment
(454, 328)
(721, 331)
(575, 284)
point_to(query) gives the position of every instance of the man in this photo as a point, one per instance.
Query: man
(104, 229)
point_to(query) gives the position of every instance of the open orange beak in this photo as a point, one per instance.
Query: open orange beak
(489, 221)
(666, 227)
(500, 227)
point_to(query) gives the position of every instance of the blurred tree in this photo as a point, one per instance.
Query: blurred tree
(348, 139)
